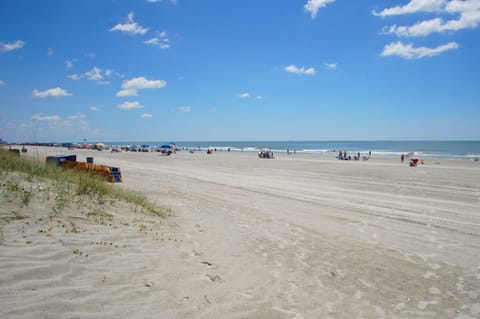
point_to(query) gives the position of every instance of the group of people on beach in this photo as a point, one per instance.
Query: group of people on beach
(343, 155)
(413, 161)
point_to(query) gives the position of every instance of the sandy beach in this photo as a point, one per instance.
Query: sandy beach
(299, 236)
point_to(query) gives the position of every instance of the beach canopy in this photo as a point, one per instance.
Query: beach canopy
(166, 146)
(266, 149)
(145, 145)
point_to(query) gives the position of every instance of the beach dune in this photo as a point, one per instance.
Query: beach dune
(300, 236)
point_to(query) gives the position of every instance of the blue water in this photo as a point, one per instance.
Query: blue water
(427, 149)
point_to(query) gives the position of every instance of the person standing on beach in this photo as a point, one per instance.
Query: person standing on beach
(402, 158)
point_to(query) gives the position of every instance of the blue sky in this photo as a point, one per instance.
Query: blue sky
(185, 70)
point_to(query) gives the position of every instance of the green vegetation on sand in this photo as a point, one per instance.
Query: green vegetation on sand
(68, 184)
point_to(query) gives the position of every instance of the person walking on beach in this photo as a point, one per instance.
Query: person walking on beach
(402, 158)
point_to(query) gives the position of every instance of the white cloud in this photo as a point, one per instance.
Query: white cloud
(130, 27)
(247, 95)
(153, 41)
(141, 83)
(161, 43)
(74, 77)
(468, 11)
(2, 83)
(128, 92)
(413, 6)
(467, 16)
(164, 45)
(313, 6)
(467, 20)
(185, 108)
(146, 115)
(50, 52)
(77, 116)
(301, 70)
(55, 92)
(130, 105)
(68, 64)
(331, 65)
(94, 109)
(90, 55)
(5, 47)
(40, 117)
(94, 74)
(407, 51)
(130, 87)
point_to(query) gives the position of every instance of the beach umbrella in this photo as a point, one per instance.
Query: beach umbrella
(265, 150)
(166, 146)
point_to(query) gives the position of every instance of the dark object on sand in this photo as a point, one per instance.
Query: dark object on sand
(265, 153)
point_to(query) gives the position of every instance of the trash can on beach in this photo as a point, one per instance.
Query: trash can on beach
(90, 160)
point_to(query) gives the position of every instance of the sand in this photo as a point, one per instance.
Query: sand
(299, 236)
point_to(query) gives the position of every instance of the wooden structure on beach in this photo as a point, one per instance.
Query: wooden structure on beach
(112, 174)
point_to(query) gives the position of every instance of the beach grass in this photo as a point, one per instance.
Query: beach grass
(69, 185)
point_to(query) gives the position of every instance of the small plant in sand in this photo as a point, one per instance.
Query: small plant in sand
(14, 215)
(62, 197)
(25, 197)
(100, 216)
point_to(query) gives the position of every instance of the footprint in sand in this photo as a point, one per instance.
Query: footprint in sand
(460, 284)
(243, 294)
(359, 294)
(366, 283)
(429, 275)
(434, 291)
(215, 278)
(209, 264)
(196, 253)
(424, 304)
(435, 266)
(290, 312)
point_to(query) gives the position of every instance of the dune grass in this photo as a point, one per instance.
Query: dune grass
(69, 183)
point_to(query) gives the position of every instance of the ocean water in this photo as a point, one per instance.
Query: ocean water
(463, 150)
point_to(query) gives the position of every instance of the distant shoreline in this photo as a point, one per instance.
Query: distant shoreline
(451, 150)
